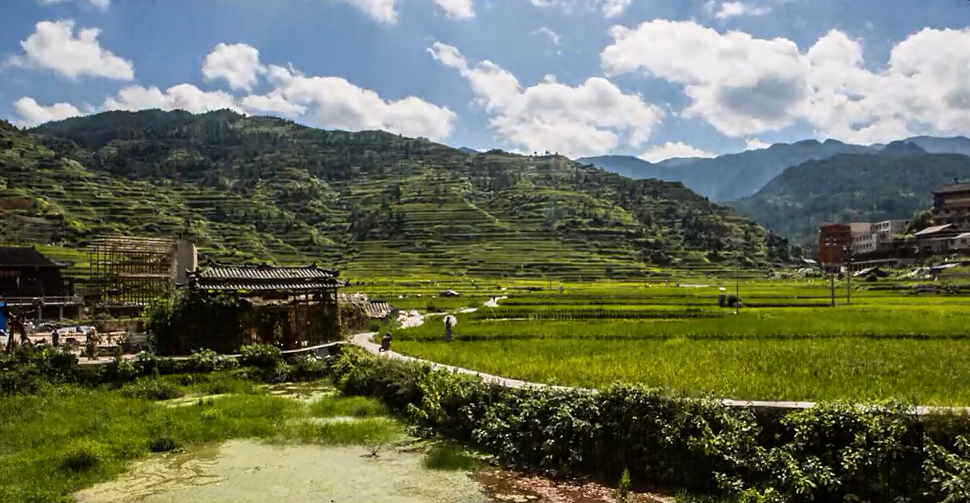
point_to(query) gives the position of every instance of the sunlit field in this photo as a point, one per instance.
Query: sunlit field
(786, 342)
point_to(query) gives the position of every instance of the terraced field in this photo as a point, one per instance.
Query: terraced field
(888, 344)
(373, 204)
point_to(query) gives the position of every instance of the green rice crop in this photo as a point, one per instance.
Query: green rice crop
(857, 321)
(926, 372)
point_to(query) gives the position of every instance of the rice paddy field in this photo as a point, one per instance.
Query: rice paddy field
(893, 341)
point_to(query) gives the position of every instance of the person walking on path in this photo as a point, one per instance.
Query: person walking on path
(450, 322)
(385, 342)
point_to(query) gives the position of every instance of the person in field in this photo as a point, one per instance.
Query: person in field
(450, 323)
(386, 342)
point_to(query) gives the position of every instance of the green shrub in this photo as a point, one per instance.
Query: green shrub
(261, 356)
(163, 443)
(203, 360)
(349, 406)
(152, 389)
(830, 452)
(448, 457)
(83, 455)
(308, 368)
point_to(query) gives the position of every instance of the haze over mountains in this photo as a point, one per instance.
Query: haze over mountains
(734, 176)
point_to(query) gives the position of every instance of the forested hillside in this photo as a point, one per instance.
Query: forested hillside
(729, 176)
(852, 188)
(372, 203)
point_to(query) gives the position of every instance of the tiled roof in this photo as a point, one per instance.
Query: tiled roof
(264, 271)
(21, 256)
(958, 187)
(264, 277)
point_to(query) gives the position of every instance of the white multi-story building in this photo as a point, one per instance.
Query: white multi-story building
(875, 237)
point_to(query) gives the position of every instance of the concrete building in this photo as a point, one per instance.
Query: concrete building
(868, 239)
(951, 206)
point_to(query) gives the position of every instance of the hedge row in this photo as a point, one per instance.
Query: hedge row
(833, 452)
(28, 369)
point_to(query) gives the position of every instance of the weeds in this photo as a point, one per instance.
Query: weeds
(353, 406)
(448, 457)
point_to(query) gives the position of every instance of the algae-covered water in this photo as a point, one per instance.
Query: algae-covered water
(245, 471)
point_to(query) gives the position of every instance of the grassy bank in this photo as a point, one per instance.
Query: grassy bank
(64, 438)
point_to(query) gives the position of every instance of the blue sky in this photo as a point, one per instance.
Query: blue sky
(654, 78)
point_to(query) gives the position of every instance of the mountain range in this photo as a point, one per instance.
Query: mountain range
(895, 183)
(373, 204)
(734, 176)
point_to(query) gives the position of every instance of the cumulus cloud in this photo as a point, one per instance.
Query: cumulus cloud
(609, 8)
(755, 144)
(324, 101)
(744, 86)
(238, 64)
(582, 120)
(101, 4)
(30, 113)
(673, 149)
(335, 102)
(384, 11)
(180, 97)
(736, 9)
(54, 47)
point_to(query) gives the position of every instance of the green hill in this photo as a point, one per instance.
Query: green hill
(373, 203)
(852, 188)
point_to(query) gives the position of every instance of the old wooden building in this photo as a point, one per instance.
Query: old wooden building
(28, 278)
(287, 306)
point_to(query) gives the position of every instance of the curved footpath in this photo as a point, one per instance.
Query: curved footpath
(365, 340)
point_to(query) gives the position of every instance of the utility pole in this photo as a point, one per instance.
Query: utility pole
(737, 289)
(832, 280)
(848, 278)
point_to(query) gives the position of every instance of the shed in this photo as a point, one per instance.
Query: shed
(288, 306)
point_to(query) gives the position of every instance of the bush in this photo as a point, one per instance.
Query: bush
(163, 443)
(152, 389)
(832, 452)
(82, 456)
(308, 368)
(448, 457)
(261, 356)
(203, 360)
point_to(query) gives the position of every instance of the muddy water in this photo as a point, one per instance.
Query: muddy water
(244, 472)
(250, 472)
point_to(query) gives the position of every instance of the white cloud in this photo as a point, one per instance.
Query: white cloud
(609, 8)
(101, 4)
(613, 8)
(334, 102)
(30, 113)
(457, 9)
(737, 9)
(755, 144)
(331, 102)
(237, 63)
(383, 11)
(53, 46)
(744, 86)
(554, 37)
(673, 149)
(582, 120)
(180, 97)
